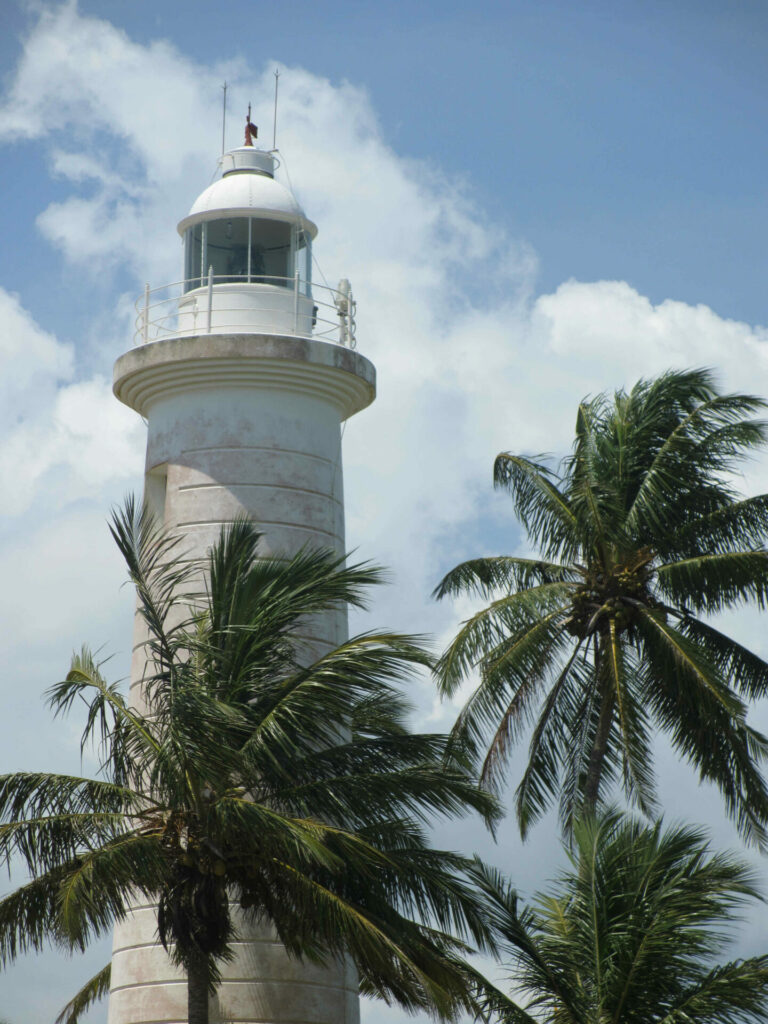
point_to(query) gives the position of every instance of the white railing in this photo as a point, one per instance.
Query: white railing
(236, 305)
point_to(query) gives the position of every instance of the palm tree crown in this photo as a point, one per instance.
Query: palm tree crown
(604, 637)
(252, 776)
(630, 935)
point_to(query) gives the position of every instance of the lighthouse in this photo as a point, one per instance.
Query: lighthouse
(244, 372)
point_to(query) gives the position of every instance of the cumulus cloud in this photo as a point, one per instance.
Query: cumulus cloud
(50, 424)
(30, 356)
(470, 361)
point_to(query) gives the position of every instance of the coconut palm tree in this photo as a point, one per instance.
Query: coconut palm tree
(631, 934)
(250, 773)
(605, 634)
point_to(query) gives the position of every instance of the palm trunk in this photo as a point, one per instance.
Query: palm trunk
(198, 975)
(599, 748)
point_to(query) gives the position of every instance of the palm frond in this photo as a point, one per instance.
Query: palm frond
(511, 681)
(741, 668)
(540, 505)
(734, 993)
(92, 991)
(484, 633)
(311, 706)
(712, 582)
(683, 410)
(395, 958)
(495, 1005)
(47, 819)
(687, 688)
(95, 889)
(558, 717)
(164, 579)
(28, 917)
(486, 576)
(738, 525)
(121, 730)
(517, 929)
(632, 721)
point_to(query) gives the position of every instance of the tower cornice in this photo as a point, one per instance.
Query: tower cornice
(318, 369)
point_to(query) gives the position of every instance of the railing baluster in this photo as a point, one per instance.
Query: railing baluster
(145, 329)
(296, 302)
(210, 296)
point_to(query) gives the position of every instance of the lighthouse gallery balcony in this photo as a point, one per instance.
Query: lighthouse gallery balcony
(241, 304)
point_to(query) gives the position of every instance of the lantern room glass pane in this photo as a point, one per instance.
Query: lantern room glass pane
(193, 251)
(242, 249)
(227, 250)
(270, 251)
(303, 261)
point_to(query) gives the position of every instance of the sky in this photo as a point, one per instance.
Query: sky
(534, 201)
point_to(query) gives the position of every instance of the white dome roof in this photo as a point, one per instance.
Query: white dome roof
(246, 191)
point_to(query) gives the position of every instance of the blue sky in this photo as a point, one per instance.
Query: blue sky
(533, 201)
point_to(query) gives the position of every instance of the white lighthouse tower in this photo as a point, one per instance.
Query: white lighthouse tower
(244, 374)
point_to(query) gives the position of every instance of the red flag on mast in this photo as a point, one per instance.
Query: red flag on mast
(251, 131)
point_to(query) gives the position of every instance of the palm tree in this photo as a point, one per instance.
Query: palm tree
(293, 788)
(605, 636)
(630, 935)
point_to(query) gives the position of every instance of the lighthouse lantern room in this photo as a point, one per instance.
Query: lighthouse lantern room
(247, 264)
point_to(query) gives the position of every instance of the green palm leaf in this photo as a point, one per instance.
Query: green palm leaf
(92, 991)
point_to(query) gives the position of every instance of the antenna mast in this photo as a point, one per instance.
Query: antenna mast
(223, 117)
(274, 119)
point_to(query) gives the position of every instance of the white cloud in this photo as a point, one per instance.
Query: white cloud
(57, 569)
(29, 356)
(588, 320)
(469, 361)
(49, 425)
